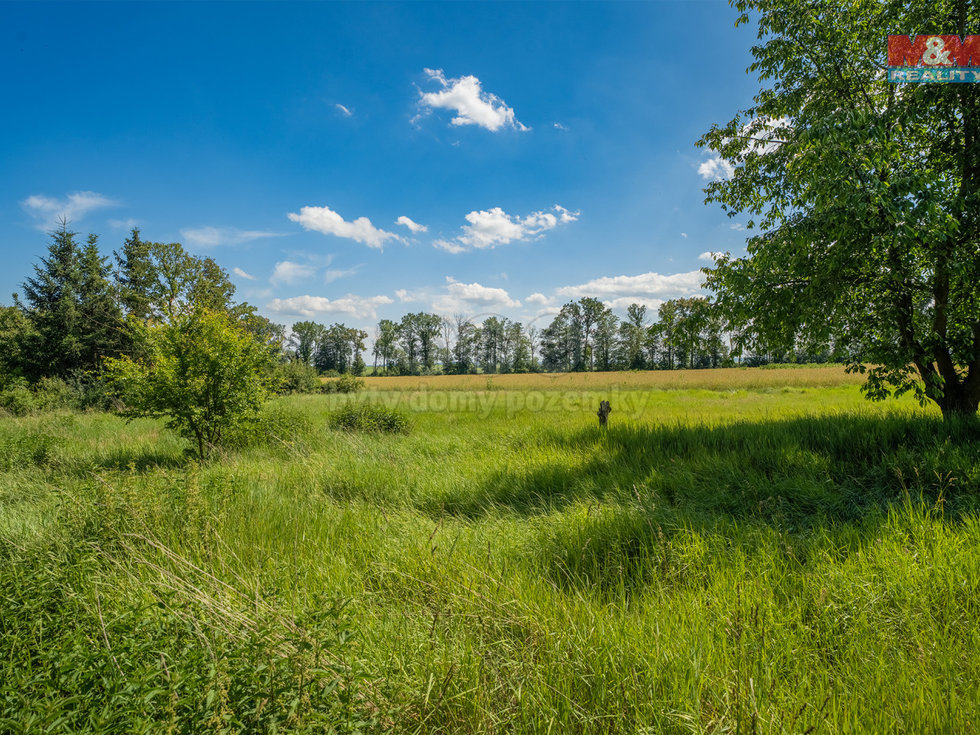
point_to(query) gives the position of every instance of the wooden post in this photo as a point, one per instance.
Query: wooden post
(604, 412)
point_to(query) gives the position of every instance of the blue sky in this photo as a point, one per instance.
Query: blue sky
(547, 149)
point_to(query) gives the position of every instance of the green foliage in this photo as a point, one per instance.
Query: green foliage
(346, 383)
(865, 196)
(370, 417)
(295, 376)
(202, 371)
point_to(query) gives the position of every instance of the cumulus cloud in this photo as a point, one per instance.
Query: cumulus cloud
(343, 110)
(684, 235)
(473, 106)
(49, 211)
(325, 220)
(287, 272)
(356, 307)
(413, 226)
(537, 299)
(462, 297)
(209, 237)
(738, 227)
(242, 274)
(623, 302)
(643, 286)
(492, 227)
(716, 168)
(710, 256)
(449, 246)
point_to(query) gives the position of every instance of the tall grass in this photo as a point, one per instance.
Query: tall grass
(770, 561)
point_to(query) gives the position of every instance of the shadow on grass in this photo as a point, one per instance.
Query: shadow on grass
(142, 459)
(650, 499)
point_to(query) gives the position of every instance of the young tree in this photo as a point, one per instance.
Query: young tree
(866, 196)
(202, 371)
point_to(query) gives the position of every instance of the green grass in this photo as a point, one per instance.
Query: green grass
(768, 559)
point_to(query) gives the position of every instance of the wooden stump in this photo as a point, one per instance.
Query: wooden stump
(604, 412)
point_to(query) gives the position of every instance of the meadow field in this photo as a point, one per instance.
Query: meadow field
(741, 551)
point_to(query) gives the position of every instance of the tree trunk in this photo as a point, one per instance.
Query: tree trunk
(958, 402)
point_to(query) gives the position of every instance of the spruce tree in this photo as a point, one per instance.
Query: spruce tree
(52, 301)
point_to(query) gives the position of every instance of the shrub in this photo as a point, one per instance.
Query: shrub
(346, 383)
(295, 376)
(203, 371)
(370, 417)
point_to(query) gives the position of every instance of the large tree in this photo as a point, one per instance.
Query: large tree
(865, 196)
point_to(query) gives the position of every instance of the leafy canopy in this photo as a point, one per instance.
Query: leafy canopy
(866, 196)
(203, 371)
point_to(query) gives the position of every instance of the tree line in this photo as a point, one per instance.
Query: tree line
(79, 307)
(585, 335)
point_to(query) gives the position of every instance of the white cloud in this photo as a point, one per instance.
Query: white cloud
(287, 272)
(242, 274)
(623, 302)
(49, 211)
(710, 256)
(334, 274)
(559, 126)
(766, 135)
(492, 227)
(471, 104)
(645, 285)
(356, 307)
(413, 226)
(325, 220)
(448, 246)
(684, 235)
(538, 299)
(462, 297)
(343, 110)
(209, 237)
(716, 168)
(738, 227)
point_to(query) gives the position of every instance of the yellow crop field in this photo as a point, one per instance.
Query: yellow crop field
(823, 376)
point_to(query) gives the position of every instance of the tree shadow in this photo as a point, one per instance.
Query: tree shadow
(142, 459)
(749, 483)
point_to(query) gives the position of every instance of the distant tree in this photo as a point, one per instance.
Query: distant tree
(605, 340)
(305, 339)
(385, 343)
(202, 371)
(631, 338)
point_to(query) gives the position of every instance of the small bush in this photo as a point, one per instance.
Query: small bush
(370, 417)
(295, 376)
(18, 399)
(346, 383)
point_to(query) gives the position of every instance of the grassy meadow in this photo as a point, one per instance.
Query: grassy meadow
(742, 551)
